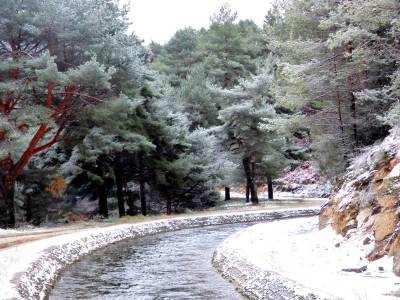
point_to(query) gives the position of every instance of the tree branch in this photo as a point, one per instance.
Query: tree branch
(54, 140)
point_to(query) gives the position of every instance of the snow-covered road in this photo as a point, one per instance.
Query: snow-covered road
(293, 259)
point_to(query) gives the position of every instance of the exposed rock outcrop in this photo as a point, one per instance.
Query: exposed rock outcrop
(367, 201)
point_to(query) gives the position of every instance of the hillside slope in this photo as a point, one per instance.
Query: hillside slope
(367, 202)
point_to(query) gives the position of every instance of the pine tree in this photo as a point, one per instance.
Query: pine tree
(334, 60)
(179, 55)
(250, 131)
(224, 51)
(114, 132)
(47, 74)
(188, 163)
(198, 101)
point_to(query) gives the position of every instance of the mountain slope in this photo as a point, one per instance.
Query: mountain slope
(367, 202)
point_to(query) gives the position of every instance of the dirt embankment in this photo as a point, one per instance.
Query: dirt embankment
(367, 202)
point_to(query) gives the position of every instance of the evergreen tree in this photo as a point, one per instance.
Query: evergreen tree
(250, 130)
(114, 132)
(198, 101)
(188, 163)
(47, 74)
(332, 59)
(224, 51)
(178, 55)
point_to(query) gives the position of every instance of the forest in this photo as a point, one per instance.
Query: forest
(96, 123)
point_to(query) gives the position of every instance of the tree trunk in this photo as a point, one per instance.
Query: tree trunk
(132, 211)
(7, 208)
(103, 205)
(102, 192)
(142, 192)
(227, 193)
(340, 114)
(247, 192)
(338, 102)
(353, 105)
(130, 201)
(169, 204)
(142, 186)
(270, 188)
(353, 109)
(119, 181)
(28, 204)
(253, 186)
(248, 168)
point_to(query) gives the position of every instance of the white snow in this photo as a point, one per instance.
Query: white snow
(7, 232)
(28, 270)
(24, 231)
(395, 172)
(278, 195)
(309, 259)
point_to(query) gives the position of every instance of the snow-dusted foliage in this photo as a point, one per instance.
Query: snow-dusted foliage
(208, 154)
(250, 128)
(338, 65)
(58, 60)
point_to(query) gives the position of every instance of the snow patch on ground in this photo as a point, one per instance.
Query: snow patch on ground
(7, 232)
(304, 262)
(21, 231)
(28, 271)
(395, 172)
(278, 195)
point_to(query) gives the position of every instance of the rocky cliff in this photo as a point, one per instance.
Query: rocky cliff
(367, 201)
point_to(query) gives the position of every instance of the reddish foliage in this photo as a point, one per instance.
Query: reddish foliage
(305, 173)
(75, 218)
(57, 185)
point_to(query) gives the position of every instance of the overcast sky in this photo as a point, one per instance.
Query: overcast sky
(158, 20)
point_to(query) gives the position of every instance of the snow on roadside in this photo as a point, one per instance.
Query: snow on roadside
(27, 271)
(7, 232)
(26, 230)
(304, 262)
(278, 195)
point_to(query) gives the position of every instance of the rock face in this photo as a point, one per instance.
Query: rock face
(367, 201)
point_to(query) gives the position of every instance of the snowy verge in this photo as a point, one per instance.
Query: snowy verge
(292, 259)
(28, 271)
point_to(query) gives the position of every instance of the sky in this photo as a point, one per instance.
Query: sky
(158, 20)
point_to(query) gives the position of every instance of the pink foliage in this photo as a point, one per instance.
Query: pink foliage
(305, 173)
